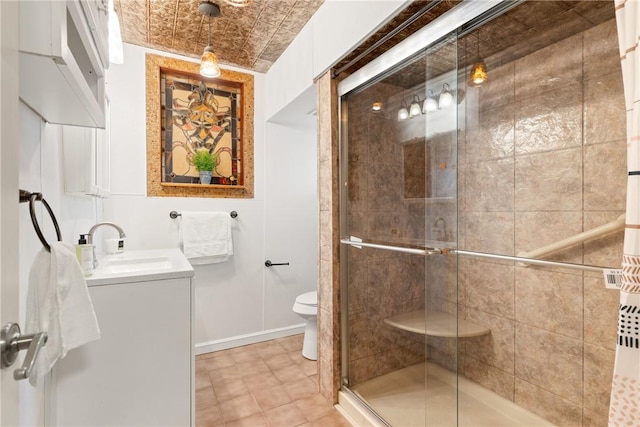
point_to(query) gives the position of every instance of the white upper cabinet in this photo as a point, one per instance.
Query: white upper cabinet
(62, 66)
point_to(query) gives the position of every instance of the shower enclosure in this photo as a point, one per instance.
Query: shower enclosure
(448, 184)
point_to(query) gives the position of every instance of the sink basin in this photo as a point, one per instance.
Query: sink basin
(135, 265)
(138, 266)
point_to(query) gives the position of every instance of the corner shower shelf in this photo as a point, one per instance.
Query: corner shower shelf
(436, 324)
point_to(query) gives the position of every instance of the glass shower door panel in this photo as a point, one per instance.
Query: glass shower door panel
(440, 231)
(401, 136)
(386, 184)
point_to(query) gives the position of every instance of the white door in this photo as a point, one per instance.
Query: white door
(9, 140)
(291, 210)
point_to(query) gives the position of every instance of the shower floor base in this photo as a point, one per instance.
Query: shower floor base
(408, 397)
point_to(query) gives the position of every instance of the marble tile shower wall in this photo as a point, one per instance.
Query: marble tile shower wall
(545, 160)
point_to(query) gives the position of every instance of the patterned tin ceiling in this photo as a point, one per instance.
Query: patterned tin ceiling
(251, 37)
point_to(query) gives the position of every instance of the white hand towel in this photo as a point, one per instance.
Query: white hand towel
(206, 237)
(58, 303)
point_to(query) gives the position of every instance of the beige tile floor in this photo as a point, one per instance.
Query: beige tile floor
(264, 384)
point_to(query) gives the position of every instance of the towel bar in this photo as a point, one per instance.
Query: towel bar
(268, 263)
(26, 196)
(174, 214)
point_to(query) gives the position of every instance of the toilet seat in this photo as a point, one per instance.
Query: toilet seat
(308, 298)
(305, 310)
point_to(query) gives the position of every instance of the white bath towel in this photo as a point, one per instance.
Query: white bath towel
(58, 303)
(206, 237)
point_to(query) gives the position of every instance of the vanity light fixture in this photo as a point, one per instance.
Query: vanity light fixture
(430, 103)
(414, 108)
(446, 98)
(209, 62)
(479, 69)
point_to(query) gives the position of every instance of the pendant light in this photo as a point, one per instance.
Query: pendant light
(209, 63)
(479, 69)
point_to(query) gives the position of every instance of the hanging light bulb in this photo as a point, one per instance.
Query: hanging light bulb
(209, 62)
(403, 113)
(446, 98)
(430, 104)
(414, 108)
(479, 69)
(478, 74)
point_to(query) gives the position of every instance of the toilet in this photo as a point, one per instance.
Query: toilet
(306, 306)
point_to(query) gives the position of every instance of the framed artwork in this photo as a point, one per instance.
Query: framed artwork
(189, 114)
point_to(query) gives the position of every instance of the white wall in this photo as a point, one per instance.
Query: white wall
(291, 232)
(231, 297)
(333, 31)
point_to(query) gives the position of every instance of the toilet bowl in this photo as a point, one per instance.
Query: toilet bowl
(306, 306)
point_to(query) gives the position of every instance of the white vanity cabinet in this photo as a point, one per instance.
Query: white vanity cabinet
(141, 372)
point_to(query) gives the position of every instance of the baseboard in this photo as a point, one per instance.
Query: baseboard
(240, 340)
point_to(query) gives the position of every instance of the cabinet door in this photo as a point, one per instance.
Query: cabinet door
(139, 372)
(86, 161)
(79, 156)
(97, 14)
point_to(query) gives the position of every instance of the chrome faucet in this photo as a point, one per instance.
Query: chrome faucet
(93, 229)
(441, 230)
(111, 224)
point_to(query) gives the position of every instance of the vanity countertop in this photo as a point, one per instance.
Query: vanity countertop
(140, 266)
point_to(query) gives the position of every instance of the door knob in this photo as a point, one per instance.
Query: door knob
(12, 341)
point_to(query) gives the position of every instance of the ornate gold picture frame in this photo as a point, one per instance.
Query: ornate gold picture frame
(187, 114)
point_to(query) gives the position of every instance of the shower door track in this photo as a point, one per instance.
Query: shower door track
(436, 251)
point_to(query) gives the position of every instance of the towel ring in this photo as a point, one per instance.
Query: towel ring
(26, 196)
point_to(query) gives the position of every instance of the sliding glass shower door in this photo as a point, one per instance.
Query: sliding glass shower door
(399, 143)
(464, 303)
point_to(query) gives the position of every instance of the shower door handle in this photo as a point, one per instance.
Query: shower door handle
(268, 263)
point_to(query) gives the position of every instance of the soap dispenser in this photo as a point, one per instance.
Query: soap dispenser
(84, 253)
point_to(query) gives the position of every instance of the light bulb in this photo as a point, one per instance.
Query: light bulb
(414, 108)
(430, 104)
(478, 73)
(403, 114)
(209, 63)
(446, 99)
(376, 106)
